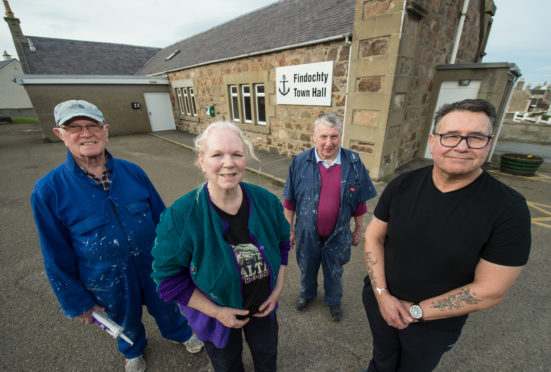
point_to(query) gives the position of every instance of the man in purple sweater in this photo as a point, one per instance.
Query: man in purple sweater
(327, 186)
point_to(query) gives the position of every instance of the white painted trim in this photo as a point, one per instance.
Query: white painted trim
(89, 80)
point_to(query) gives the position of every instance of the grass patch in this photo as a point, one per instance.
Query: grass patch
(24, 120)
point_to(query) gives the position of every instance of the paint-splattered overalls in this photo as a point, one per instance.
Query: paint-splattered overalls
(303, 190)
(97, 247)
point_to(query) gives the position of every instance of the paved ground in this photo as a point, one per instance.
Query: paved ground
(514, 336)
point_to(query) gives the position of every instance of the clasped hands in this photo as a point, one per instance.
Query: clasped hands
(395, 312)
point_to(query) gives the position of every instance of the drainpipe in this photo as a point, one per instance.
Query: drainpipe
(459, 31)
(516, 74)
(347, 41)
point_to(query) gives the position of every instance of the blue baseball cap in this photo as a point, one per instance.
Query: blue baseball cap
(65, 111)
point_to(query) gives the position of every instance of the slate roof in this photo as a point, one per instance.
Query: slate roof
(75, 57)
(4, 63)
(279, 25)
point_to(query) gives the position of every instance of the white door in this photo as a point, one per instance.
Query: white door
(159, 110)
(452, 91)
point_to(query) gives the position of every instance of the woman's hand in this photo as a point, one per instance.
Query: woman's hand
(225, 315)
(86, 318)
(269, 305)
(228, 317)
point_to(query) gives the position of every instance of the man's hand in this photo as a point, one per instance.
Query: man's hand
(394, 312)
(356, 237)
(86, 318)
(293, 238)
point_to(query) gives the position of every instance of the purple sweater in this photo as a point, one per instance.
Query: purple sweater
(330, 200)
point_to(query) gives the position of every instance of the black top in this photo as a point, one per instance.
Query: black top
(435, 240)
(254, 271)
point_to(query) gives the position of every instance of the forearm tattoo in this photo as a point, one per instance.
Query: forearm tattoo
(369, 263)
(456, 301)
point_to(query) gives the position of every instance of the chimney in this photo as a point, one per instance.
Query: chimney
(9, 13)
(6, 56)
(17, 36)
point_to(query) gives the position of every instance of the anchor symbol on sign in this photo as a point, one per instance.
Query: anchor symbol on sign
(284, 92)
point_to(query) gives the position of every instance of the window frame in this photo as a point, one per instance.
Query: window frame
(234, 103)
(257, 105)
(246, 97)
(179, 100)
(236, 115)
(186, 102)
(188, 105)
(192, 101)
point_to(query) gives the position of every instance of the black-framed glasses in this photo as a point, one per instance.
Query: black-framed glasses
(92, 127)
(476, 141)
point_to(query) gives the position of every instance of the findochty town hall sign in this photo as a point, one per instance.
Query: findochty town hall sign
(308, 84)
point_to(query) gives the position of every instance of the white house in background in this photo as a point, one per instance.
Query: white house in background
(14, 100)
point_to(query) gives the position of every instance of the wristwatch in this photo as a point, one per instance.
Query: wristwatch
(416, 312)
(380, 290)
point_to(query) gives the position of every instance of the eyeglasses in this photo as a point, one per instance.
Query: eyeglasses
(92, 127)
(477, 141)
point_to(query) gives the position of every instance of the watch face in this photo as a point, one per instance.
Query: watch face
(416, 311)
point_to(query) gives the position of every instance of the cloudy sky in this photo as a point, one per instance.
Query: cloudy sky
(521, 32)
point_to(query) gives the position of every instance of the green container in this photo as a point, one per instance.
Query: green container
(524, 165)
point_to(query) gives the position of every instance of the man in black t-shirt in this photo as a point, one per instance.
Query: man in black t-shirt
(445, 241)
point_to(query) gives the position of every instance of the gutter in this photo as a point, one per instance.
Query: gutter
(293, 46)
(90, 80)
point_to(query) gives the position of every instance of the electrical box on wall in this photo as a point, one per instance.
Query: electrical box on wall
(210, 111)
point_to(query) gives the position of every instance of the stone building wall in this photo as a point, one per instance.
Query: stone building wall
(427, 42)
(396, 46)
(288, 129)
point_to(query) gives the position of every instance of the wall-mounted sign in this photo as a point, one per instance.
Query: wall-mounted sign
(209, 110)
(308, 84)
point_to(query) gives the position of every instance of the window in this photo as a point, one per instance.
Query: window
(248, 103)
(179, 99)
(172, 55)
(260, 104)
(247, 109)
(186, 101)
(185, 95)
(234, 103)
(192, 99)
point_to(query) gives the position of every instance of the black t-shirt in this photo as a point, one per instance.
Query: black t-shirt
(254, 271)
(435, 240)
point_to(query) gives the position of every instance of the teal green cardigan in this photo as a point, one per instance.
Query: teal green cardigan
(191, 235)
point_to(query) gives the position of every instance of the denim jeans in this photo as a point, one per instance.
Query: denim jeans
(261, 335)
(416, 348)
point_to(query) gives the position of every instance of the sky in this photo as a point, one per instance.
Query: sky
(520, 34)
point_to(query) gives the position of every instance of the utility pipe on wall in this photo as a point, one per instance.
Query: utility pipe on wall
(459, 31)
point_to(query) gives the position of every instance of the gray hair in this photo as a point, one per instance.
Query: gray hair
(200, 140)
(472, 105)
(331, 119)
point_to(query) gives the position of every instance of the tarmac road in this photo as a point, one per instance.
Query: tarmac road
(514, 336)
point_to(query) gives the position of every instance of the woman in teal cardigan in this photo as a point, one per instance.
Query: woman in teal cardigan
(221, 253)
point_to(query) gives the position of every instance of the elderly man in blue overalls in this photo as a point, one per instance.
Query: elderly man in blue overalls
(327, 186)
(96, 217)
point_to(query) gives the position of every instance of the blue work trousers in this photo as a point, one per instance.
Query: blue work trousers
(172, 324)
(414, 349)
(309, 258)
